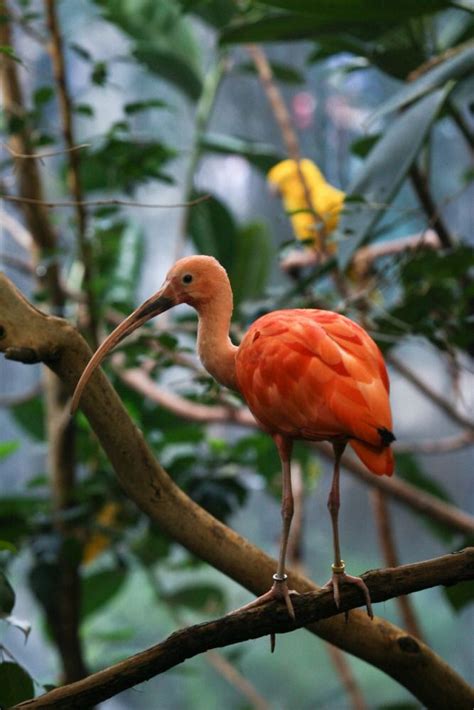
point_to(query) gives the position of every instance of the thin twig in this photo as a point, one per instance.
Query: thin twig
(386, 538)
(56, 51)
(444, 445)
(45, 154)
(273, 618)
(420, 183)
(101, 203)
(289, 136)
(441, 402)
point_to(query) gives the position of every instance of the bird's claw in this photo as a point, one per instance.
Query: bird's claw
(339, 575)
(279, 591)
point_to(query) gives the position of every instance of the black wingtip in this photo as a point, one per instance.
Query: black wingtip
(386, 436)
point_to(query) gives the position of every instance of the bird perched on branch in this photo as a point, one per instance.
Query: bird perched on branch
(313, 205)
(304, 373)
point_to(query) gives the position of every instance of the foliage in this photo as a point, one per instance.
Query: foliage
(186, 52)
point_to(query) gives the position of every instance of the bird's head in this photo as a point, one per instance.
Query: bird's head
(194, 280)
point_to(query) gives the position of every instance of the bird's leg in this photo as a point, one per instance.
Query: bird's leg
(279, 589)
(338, 568)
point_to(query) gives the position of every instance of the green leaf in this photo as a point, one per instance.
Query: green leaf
(162, 39)
(15, 684)
(43, 95)
(213, 230)
(451, 69)
(10, 53)
(172, 68)
(7, 546)
(7, 448)
(7, 596)
(460, 595)
(120, 250)
(99, 588)
(435, 299)
(360, 10)
(200, 597)
(139, 106)
(384, 170)
(409, 469)
(363, 19)
(123, 164)
(261, 155)
(251, 265)
(29, 415)
(99, 74)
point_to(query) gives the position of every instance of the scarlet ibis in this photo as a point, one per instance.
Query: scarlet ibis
(304, 373)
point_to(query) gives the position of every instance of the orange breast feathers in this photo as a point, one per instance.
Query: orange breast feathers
(311, 374)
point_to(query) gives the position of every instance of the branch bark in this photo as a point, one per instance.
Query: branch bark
(310, 609)
(29, 335)
(64, 621)
(56, 50)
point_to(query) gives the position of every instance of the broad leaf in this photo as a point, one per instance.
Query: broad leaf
(460, 595)
(384, 170)
(7, 596)
(409, 469)
(360, 10)
(99, 588)
(7, 448)
(162, 39)
(199, 596)
(15, 684)
(262, 155)
(30, 416)
(456, 67)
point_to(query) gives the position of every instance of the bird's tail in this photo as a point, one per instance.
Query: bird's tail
(379, 461)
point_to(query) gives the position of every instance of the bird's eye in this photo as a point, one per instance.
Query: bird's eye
(187, 278)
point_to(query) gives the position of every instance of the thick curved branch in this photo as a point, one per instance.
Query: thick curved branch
(28, 335)
(261, 621)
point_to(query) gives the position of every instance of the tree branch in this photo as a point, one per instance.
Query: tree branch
(441, 402)
(260, 621)
(56, 50)
(29, 335)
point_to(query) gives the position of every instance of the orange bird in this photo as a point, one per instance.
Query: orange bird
(304, 373)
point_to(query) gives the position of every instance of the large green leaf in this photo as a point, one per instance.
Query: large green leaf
(456, 67)
(199, 596)
(162, 39)
(360, 10)
(262, 155)
(384, 170)
(15, 684)
(30, 416)
(244, 253)
(460, 595)
(410, 470)
(7, 596)
(100, 587)
(119, 254)
(307, 19)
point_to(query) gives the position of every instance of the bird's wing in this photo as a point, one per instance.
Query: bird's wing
(314, 374)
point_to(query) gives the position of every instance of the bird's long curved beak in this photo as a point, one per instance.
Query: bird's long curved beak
(158, 303)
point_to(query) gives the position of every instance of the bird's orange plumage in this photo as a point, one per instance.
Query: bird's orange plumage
(311, 374)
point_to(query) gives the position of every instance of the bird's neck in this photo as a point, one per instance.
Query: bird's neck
(216, 351)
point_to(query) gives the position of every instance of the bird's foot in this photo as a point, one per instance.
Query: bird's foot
(279, 590)
(339, 575)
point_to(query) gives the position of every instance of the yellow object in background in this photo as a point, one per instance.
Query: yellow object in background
(312, 221)
(98, 542)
